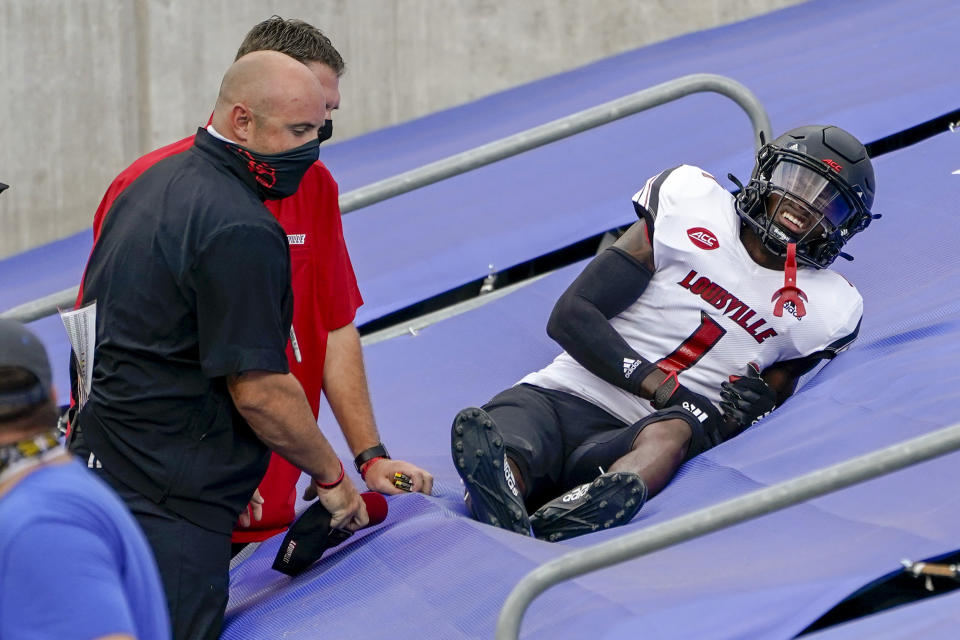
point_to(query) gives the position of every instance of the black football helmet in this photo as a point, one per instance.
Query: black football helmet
(825, 171)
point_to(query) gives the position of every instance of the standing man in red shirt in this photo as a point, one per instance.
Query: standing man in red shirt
(324, 350)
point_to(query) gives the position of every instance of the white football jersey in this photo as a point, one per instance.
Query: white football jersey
(708, 309)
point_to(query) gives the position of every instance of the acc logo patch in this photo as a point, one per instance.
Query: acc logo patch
(703, 238)
(833, 164)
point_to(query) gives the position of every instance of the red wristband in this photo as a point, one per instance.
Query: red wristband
(331, 485)
(363, 467)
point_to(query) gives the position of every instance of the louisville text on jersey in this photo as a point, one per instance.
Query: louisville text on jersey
(739, 311)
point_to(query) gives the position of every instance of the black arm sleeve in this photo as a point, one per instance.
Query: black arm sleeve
(580, 320)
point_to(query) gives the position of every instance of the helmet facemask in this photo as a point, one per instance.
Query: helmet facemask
(795, 198)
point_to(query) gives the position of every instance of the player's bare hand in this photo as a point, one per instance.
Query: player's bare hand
(254, 510)
(346, 507)
(397, 476)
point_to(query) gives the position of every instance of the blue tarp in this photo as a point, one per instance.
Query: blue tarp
(936, 617)
(820, 61)
(874, 69)
(431, 572)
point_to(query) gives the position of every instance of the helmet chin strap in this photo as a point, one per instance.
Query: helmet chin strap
(789, 292)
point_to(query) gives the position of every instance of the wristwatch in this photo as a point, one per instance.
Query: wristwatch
(376, 451)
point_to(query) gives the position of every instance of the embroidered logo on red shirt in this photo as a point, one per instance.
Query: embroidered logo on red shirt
(297, 238)
(703, 238)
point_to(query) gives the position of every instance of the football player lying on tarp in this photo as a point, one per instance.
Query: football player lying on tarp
(672, 344)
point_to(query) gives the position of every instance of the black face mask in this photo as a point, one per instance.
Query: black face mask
(278, 175)
(326, 131)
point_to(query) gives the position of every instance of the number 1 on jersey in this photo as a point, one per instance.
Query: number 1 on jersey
(695, 347)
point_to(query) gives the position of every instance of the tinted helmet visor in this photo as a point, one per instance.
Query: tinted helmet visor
(814, 189)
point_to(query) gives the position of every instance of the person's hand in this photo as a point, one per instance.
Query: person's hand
(396, 476)
(254, 510)
(747, 399)
(346, 507)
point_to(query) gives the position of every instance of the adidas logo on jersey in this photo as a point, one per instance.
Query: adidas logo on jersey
(629, 366)
(297, 238)
(792, 310)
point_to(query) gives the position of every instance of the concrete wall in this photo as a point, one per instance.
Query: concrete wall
(89, 85)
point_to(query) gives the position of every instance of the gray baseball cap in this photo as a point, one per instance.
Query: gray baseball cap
(20, 348)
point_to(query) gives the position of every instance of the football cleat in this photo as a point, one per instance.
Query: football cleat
(611, 500)
(480, 458)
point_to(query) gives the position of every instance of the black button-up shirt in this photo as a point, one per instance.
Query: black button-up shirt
(191, 275)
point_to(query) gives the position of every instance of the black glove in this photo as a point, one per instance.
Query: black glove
(671, 393)
(747, 399)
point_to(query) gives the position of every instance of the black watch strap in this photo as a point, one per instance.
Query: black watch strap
(376, 451)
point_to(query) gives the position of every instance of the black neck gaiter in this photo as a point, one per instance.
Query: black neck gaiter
(278, 175)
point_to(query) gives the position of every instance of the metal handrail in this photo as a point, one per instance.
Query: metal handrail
(43, 307)
(725, 514)
(498, 150)
(563, 128)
